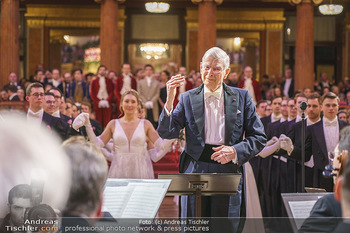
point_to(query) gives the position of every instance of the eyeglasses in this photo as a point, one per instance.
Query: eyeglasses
(50, 102)
(36, 95)
(215, 70)
(291, 106)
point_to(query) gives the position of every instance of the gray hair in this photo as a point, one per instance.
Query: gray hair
(89, 172)
(32, 153)
(219, 55)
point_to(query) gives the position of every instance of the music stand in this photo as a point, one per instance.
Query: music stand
(201, 184)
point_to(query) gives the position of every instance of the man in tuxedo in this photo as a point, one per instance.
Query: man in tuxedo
(12, 91)
(57, 113)
(288, 84)
(12, 81)
(124, 83)
(149, 91)
(260, 108)
(56, 79)
(101, 92)
(215, 117)
(36, 114)
(322, 137)
(276, 112)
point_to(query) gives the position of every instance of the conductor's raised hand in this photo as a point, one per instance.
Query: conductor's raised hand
(223, 154)
(172, 84)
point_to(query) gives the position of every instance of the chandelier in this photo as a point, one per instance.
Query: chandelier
(154, 50)
(157, 7)
(330, 9)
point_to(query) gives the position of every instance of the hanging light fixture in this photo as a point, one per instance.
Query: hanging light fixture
(157, 7)
(330, 9)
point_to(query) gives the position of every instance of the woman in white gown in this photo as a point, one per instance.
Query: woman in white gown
(129, 135)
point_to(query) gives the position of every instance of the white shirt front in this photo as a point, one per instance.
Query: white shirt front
(286, 87)
(248, 85)
(149, 80)
(331, 133)
(126, 84)
(102, 91)
(214, 110)
(36, 117)
(275, 118)
(56, 114)
(55, 83)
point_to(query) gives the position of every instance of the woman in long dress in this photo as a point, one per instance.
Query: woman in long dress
(129, 134)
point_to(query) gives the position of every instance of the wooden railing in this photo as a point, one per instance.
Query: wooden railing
(14, 105)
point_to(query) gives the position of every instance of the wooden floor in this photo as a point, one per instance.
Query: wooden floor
(168, 208)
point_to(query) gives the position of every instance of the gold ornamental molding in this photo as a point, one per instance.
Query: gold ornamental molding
(242, 19)
(218, 2)
(67, 16)
(296, 2)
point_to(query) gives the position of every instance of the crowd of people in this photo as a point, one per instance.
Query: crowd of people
(120, 115)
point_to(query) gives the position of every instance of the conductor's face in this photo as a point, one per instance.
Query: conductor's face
(213, 73)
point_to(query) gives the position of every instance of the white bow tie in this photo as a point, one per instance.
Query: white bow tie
(215, 94)
(34, 114)
(276, 118)
(330, 123)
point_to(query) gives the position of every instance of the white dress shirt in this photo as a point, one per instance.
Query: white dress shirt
(248, 85)
(36, 117)
(275, 118)
(55, 83)
(149, 80)
(56, 114)
(102, 92)
(126, 84)
(286, 87)
(214, 110)
(331, 133)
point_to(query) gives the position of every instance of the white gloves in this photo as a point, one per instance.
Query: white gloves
(271, 146)
(103, 104)
(81, 120)
(272, 141)
(286, 143)
(149, 104)
(163, 146)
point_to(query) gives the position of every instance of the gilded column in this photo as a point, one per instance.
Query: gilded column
(206, 25)
(109, 34)
(304, 44)
(9, 43)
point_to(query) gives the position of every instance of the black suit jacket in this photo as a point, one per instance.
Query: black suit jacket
(316, 145)
(15, 98)
(56, 124)
(291, 88)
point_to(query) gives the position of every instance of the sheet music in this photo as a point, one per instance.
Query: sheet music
(146, 197)
(134, 198)
(115, 199)
(301, 209)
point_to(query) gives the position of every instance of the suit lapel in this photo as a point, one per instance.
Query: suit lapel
(231, 105)
(197, 105)
(321, 138)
